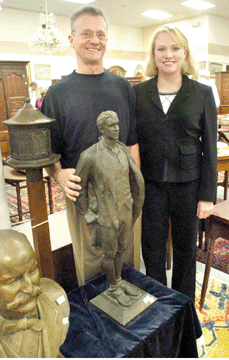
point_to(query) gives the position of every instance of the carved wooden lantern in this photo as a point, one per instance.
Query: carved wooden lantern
(30, 145)
(29, 134)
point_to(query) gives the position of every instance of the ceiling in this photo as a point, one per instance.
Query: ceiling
(124, 12)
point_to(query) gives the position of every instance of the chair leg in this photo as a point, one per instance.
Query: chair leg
(210, 236)
(19, 201)
(201, 232)
(225, 185)
(49, 182)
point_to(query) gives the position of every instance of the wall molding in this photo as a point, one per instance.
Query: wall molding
(22, 48)
(215, 49)
(125, 55)
(9, 47)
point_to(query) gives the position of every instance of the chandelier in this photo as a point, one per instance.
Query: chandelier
(48, 39)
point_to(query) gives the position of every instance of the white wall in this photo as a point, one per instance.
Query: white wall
(17, 26)
(218, 34)
(218, 30)
(209, 30)
(125, 38)
(60, 65)
(197, 36)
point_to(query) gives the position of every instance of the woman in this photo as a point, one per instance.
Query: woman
(39, 100)
(177, 135)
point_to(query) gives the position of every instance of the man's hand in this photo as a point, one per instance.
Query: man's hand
(204, 209)
(65, 178)
(69, 182)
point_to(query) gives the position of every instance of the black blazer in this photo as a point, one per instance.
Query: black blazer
(179, 146)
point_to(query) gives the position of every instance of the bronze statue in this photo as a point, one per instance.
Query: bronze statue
(33, 312)
(118, 185)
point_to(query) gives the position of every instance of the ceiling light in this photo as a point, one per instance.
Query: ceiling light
(198, 4)
(81, 1)
(157, 15)
(48, 39)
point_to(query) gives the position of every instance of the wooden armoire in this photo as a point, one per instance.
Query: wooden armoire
(222, 84)
(13, 92)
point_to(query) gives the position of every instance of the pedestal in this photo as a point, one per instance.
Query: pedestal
(39, 222)
(123, 314)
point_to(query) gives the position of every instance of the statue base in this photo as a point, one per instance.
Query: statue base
(123, 314)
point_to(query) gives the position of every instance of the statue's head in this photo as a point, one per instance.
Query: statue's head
(108, 124)
(19, 276)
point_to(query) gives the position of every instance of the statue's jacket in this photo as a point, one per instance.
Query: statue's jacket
(94, 168)
(55, 316)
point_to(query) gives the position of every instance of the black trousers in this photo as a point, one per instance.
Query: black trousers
(179, 201)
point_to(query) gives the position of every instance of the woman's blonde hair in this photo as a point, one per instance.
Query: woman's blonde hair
(188, 67)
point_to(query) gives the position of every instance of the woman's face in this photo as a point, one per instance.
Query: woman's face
(168, 55)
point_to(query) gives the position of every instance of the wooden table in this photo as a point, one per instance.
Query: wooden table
(223, 129)
(18, 180)
(223, 165)
(223, 119)
(217, 225)
(223, 133)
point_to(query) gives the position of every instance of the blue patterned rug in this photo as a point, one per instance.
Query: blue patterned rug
(58, 200)
(214, 318)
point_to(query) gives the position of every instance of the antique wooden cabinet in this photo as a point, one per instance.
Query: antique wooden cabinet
(134, 80)
(222, 84)
(13, 91)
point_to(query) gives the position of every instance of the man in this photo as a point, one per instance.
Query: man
(33, 312)
(75, 102)
(204, 78)
(32, 93)
(119, 190)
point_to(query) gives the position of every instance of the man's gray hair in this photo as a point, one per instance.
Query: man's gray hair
(91, 10)
(33, 83)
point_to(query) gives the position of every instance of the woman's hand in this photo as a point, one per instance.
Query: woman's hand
(204, 209)
(69, 182)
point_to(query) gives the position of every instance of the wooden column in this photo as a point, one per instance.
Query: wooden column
(38, 214)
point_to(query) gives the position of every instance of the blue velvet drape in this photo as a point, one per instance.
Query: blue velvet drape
(168, 328)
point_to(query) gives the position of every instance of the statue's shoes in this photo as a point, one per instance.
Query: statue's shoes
(119, 295)
(129, 289)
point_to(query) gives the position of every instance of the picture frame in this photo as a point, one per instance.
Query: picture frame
(215, 67)
(42, 72)
(200, 65)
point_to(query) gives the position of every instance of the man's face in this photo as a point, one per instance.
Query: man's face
(19, 283)
(111, 128)
(34, 87)
(89, 39)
